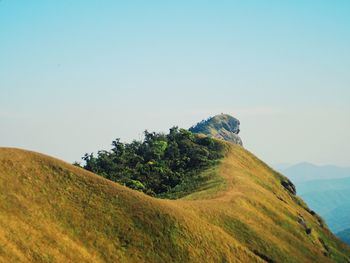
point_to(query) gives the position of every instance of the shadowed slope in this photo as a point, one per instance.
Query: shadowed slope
(52, 211)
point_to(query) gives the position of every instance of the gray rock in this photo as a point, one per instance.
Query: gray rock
(222, 126)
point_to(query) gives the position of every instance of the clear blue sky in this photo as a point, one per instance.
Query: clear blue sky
(74, 75)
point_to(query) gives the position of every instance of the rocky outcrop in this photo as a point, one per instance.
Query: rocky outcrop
(222, 126)
(289, 186)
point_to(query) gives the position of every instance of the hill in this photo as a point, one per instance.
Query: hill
(222, 126)
(52, 211)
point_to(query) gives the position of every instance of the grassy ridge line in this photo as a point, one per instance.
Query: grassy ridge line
(263, 216)
(53, 212)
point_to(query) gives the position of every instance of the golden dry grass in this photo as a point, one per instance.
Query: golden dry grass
(51, 211)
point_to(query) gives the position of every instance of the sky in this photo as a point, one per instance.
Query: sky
(75, 75)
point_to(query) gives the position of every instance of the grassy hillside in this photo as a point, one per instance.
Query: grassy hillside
(52, 211)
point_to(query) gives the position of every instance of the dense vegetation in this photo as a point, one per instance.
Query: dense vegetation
(163, 165)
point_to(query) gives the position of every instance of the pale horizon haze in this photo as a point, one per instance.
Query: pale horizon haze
(75, 75)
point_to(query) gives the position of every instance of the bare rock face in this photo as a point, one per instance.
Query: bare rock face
(222, 126)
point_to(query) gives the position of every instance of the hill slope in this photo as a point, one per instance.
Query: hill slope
(52, 211)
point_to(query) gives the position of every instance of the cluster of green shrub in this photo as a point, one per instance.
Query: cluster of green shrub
(163, 165)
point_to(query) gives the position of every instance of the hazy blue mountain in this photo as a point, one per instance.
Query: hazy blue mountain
(306, 171)
(326, 189)
(281, 166)
(344, 235)
(330, 198)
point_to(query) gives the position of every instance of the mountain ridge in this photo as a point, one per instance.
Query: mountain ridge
(54, 212)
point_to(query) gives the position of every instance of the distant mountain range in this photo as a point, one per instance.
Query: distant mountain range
(345, 235)
(326, 189)
(303, 172)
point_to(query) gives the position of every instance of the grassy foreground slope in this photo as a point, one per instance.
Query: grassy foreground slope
(51, 211)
